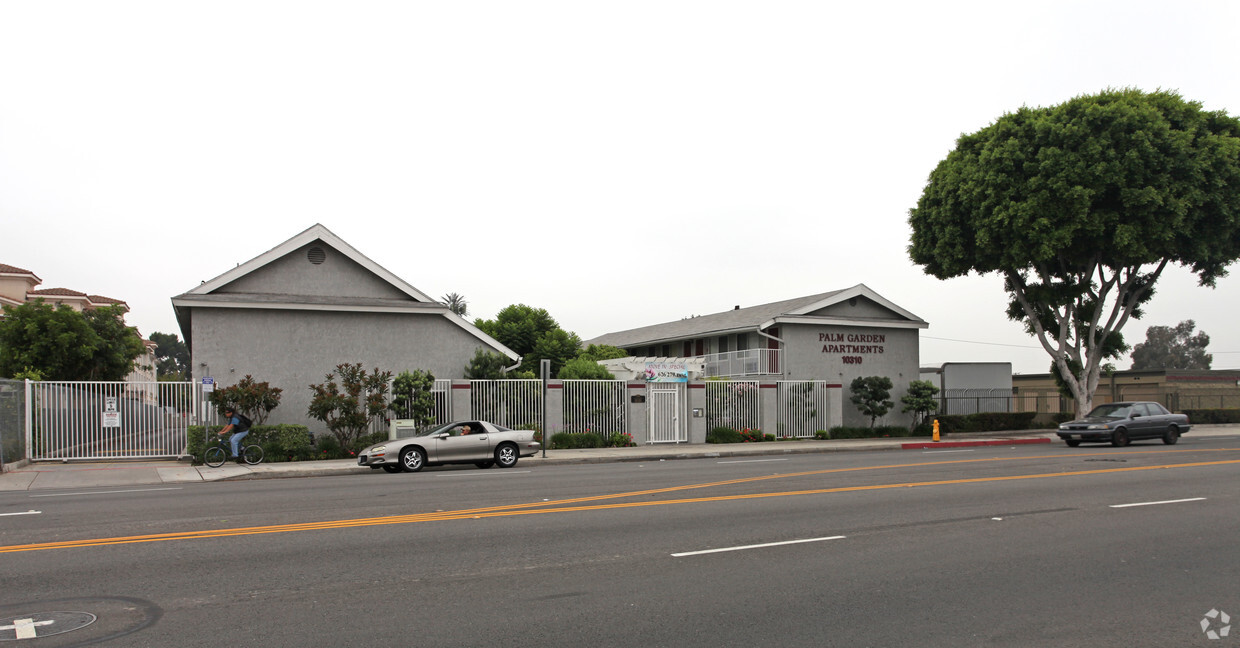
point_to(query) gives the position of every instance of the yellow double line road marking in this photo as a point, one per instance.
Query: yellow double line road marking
(559, 506)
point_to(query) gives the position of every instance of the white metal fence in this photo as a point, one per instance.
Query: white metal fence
(732, 404)
(110, 420)
(441, 407)
(512, 403)
(596, 406)
(12, 421)
(802, 408)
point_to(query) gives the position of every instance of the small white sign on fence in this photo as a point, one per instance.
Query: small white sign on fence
(111, 419)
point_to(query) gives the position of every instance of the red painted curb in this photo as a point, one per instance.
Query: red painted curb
(965, 444)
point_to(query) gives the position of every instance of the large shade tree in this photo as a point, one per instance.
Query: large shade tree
(1173, 347)
(1080, 207)
(60, 343)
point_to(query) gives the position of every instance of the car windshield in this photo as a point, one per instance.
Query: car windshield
(1112, 410)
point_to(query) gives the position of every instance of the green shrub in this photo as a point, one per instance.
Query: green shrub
(892, 431)
(620, 440)
(279, 442)
(985, 422)
(1207, 416)
(568, 440)
(723, 434)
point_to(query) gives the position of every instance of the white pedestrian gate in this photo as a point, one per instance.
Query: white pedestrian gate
(665, 405)
(110, 420)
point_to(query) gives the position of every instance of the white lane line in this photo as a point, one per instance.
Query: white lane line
(132, 490)
(757, 546)
(749, 461)
(945, 451)
(1191, 499)
(474, 473)
(31, 512)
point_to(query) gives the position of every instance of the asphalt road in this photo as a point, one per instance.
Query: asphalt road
(1009, 546)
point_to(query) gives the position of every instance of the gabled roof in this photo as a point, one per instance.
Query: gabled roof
(761, 317)
(205, 295)
(314, 233)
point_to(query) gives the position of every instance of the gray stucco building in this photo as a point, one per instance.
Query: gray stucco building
(290, 315)
(835, 337)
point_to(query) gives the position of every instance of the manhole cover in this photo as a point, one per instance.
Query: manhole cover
(42, 624)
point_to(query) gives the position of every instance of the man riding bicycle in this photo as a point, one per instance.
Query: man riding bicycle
(237, 426)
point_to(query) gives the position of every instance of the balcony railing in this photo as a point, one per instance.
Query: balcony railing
(750, 362)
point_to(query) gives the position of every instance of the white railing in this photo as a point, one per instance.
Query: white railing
(732, 404)
(597, 406)
(515, 404)
(803, 407)
(441, 409)
(750, 362)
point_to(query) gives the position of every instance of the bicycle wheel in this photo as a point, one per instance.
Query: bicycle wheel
(215, 456)
(252, 454)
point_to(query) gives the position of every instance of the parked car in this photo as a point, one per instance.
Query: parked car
(481, 443)
(1119, 423)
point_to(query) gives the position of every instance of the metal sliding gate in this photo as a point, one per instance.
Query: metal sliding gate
(110, 420)
(665, 404)
(803, 407)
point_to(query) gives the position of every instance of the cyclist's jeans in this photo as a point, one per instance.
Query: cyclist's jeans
(236, 442)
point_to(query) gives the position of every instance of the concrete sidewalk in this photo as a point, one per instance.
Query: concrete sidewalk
(46, 476)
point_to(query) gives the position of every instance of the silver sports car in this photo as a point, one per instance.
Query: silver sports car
(477, 442)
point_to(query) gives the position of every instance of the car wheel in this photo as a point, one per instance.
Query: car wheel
(506, 456)
(413, 459)
(484, 464)
(1072, 443)
(1171, 435)
(1119, 438)
(391, 469)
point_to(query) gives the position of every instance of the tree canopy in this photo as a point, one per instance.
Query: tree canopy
(1080, 207)
(171, 356)
(534, 334)
(62, 344)
(1167, 347)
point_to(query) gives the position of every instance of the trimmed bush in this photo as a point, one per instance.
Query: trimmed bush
(569, 440)
(1206, 416)
(841, 432)
(723, 435)
(985, 422)
(279, 442)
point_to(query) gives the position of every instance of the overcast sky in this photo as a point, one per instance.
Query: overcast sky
(619, 164)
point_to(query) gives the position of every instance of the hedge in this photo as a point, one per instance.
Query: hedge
(1205, 416)
(279, 442)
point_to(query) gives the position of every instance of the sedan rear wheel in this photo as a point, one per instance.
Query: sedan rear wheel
(1119, 438)
(506, 456)
(1171, 435)
(413, 459)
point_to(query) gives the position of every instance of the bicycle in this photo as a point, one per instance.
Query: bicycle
(216, 455)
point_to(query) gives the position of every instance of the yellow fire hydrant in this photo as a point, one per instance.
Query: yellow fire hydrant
(936, 430)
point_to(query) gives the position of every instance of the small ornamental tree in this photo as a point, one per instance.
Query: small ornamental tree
(349, 400)
(254, 399)
(870, 395)
(412, 397)
(920, 399)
